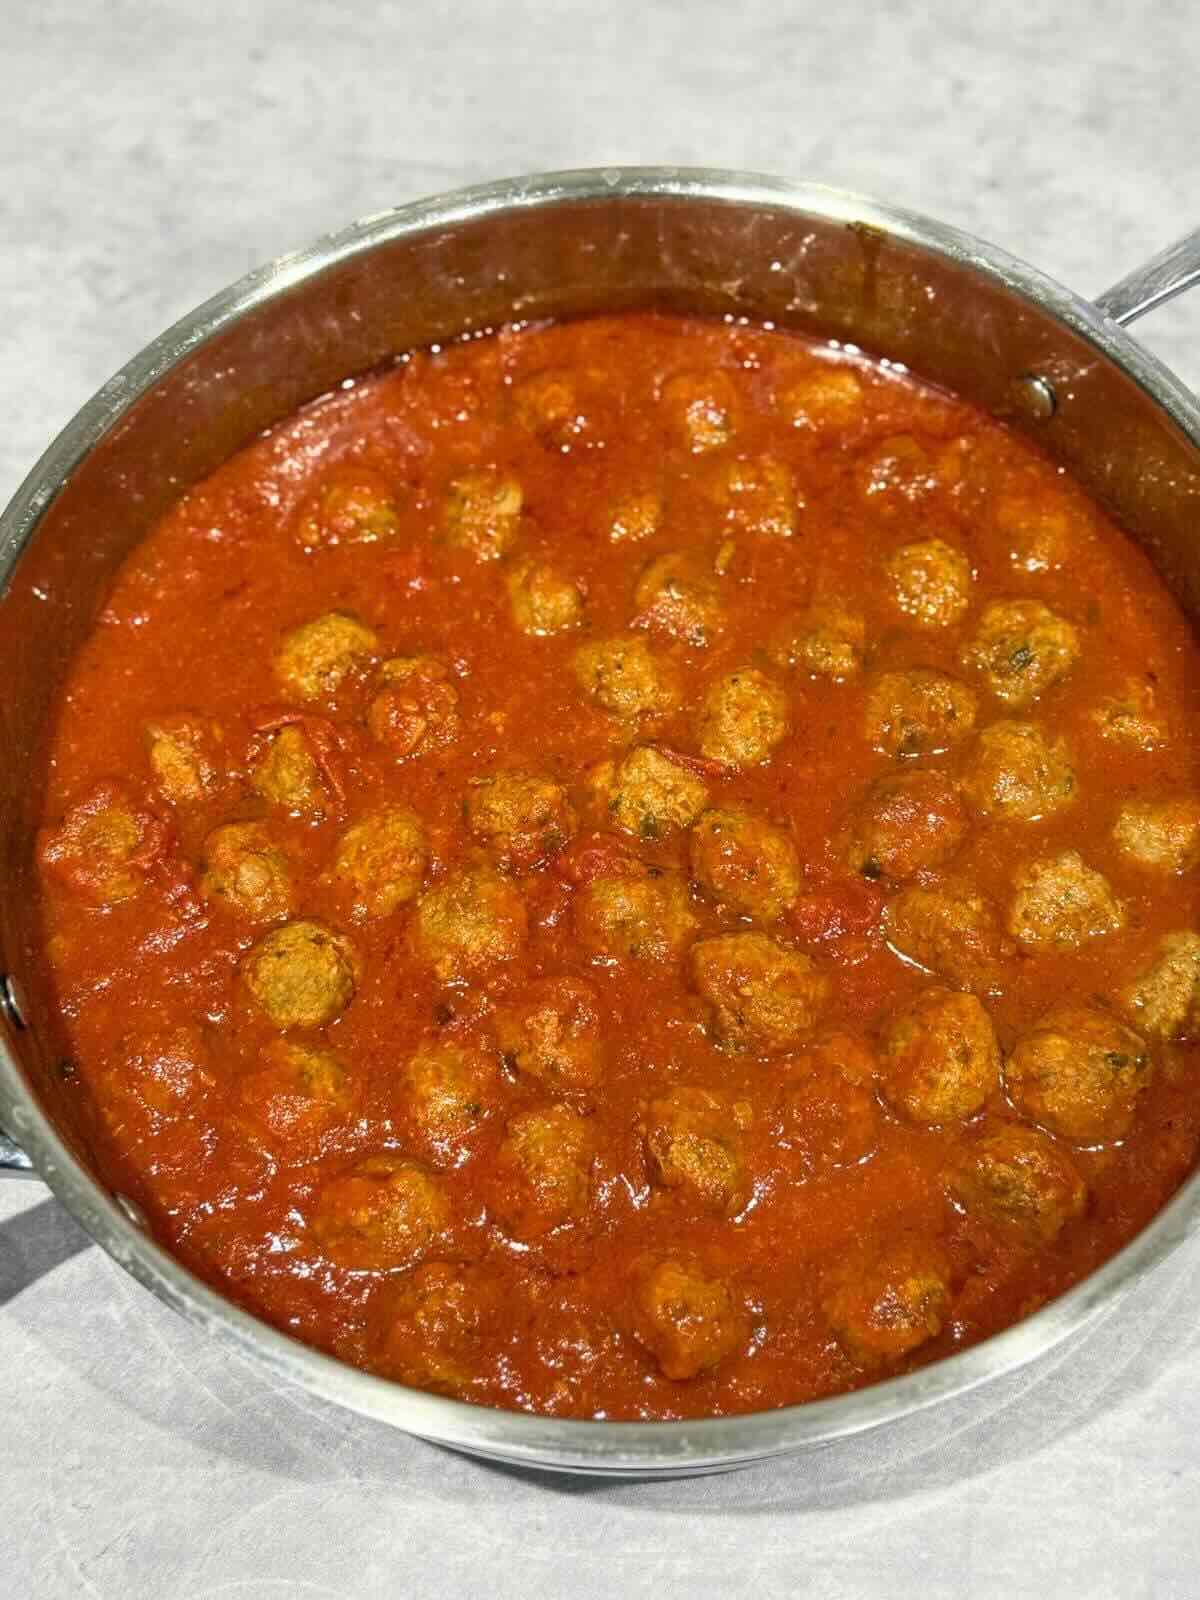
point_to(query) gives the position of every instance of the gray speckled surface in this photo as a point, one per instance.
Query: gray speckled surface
(148, 154)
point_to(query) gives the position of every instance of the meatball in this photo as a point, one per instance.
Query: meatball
(635, 516)
(1036, 535)
(765, 998)
(743, 717)
(828, 398)
(385, 1212)
(642, 914)
(950, 930)
(884, 1300)
(522, 817)
(353, 505)
(437, 1318)
(694, 1143)
(543, 1172)
(180, 751)
(471, 920)
(481, 513)
(1164, 1001)
(1022, 649)
(829, 1119)
(825, 641)
(1017, 1179)
(1131, 717)
(287, 775)
(757, 496)
(918, 712)
(553, 1032)
(542, 600)
(687, 1321)
(1079, 1073)
(315, 660)
(647, 794)
(415, 709)
(896, 470)
(380, 860)
(1160, 835)
(554, 406)
(1061, 902)
(1016, 774)
(745, 863)
(678, 595)
(244, 869)
(105, 846)
(299, 1093)
(939, 1060)
(624, 676)
(699, 407)
(931, 582)
(159, 1070)
(447, 1090)
(301, 975)
(904, 824)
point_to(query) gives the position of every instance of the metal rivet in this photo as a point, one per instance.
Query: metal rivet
(12, 1002)
(131, 1211)
(1036, 396)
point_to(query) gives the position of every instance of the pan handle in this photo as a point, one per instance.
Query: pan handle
(14, 1163)
(1155, 282)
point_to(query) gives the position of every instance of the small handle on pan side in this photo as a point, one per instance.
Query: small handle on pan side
(1155, 282)
(14, 1163)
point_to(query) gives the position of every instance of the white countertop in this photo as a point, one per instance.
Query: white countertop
(148, 155)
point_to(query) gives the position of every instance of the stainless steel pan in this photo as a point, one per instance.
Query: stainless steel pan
(947, 305)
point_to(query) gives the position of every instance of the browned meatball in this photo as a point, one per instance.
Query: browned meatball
(105, 846)
(1022, 649)
(447, 1090)
(918, 712)
(884, 1300)
(743, 717)
(523, 818)
(542, 600)
(1160, 835)
(553, 1032)
(647, 794)
(182, 752)
(559, 406)
(380, 860)
(1037, 535)
(245, 870)
(829, 398)
(939, 1060)
(951, 930)
(931, 582)
(765, 998)
(1016, 774)
(1131, 717)
(637, 915)
(543, 1172)
(415, 709)
(1017, 1179)
(625, 676)
(288, 776)
(694, 1140)
(297, 1094)
(1079, 1073)
(829, 1119)
(745, 863)
(688, 1321)
(678, 595)
(699, 408)
(353, 505)
(481, 513)
(159, 1071)
(471, 920)
(316, 659)
(1061, 902)
(385, 1212)
(635, 516)
(904, 824)
(435, 1321)
(756, 496)
(301, 975)
(826, 641)
(1163, 1002)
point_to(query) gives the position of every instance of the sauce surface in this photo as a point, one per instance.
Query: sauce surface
(637, 868)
